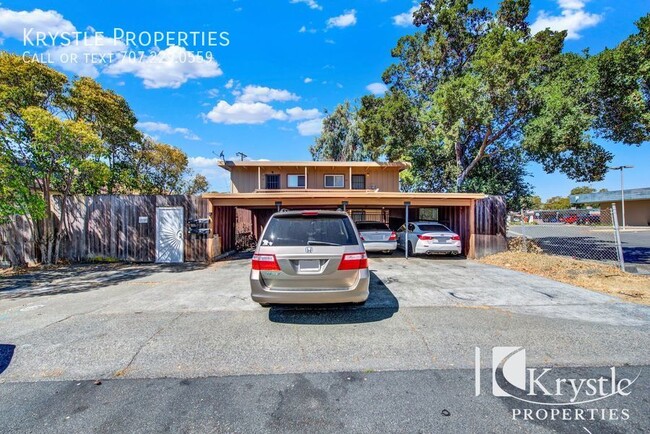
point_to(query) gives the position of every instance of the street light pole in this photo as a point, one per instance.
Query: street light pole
(621, 168)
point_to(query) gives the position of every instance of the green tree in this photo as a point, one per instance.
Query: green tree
(339, 140)
(64, 154)
(533, 202)
(557, 202)
(584, 189)
(114, 122)
(623, 88)
(58, 138)
(475, 90)
(198, 184)
(163, 168)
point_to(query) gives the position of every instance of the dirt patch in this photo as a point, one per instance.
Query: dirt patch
(591, 275)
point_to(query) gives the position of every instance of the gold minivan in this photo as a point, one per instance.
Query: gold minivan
(309, 257)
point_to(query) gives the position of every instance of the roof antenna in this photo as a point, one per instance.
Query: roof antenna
(241, 155)
(220, 156)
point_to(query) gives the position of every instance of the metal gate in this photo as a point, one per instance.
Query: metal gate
(169, 234)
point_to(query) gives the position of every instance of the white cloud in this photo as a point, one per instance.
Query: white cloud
(14, 23)
(253, 93)
(308, 80)
(330, 41)
(311, 127)
(405, 19)
(213, 93)
(229, 84)
(299, 113)
(87, 57)
(377, 88)
(311, 3)
(573, 18)
(348, 18)
(168, 68)
(244, 113)
(218, 178)
(304, 29)
(161, 127)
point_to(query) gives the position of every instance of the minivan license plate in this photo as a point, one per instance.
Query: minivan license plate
(309, 265)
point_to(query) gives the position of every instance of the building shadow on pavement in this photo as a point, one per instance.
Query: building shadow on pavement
(381, 305)
(83, 277)
(6, 354)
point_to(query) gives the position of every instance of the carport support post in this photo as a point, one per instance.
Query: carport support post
(406, 230)
(345, 205)
(278, 206)
(617, 238)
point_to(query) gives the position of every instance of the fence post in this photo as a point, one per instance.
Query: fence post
(617, 238)
(523, 232)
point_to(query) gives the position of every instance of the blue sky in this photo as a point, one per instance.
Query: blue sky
(261, 88)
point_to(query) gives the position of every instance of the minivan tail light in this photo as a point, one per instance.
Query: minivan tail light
(353, 261)
(393, 236)
(455, 237)
(265, 263)
(425, 237)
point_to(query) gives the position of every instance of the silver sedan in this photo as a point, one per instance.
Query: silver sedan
(377, 236)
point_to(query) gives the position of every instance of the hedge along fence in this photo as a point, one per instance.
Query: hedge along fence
(116, 227)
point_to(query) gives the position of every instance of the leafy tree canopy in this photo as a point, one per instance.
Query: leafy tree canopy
(339, 140)
(475, 96)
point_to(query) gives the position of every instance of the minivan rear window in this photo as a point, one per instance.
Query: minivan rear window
(372, 226)
(297, 230)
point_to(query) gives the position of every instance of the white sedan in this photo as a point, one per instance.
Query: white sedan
(429, 238)
(377, 236)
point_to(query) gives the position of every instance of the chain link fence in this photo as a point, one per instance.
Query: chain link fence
(590, 234)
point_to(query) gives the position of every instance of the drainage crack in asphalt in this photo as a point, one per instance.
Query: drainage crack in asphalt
(420, 335)
(123, 371)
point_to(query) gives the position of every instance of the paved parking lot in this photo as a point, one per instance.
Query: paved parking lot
(184, 348)
(150, 321)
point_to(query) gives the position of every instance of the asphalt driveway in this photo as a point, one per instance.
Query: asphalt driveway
(191, 320)
(184, 348)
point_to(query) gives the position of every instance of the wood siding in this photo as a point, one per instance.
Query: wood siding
(244, 179)
(490, 231)
(480, 223)
(108, 227)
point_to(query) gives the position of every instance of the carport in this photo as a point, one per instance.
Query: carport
(479, 219)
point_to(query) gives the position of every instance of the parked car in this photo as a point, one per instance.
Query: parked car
(569, 219)
(309, 257)
(589, 219)
(377, 236)
(429, 238)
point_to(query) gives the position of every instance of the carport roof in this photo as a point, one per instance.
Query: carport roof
(334, 198)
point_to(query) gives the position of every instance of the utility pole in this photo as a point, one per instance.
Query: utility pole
(241, 155)
(622, 168)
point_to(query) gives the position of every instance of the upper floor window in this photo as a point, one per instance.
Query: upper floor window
(296, 181)
(334, 181)
(358, 182)
(272, 182)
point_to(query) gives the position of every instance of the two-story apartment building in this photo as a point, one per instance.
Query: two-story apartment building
(367, 190)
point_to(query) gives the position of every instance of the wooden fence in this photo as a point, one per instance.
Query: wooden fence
(490, 226)
(117, 226)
